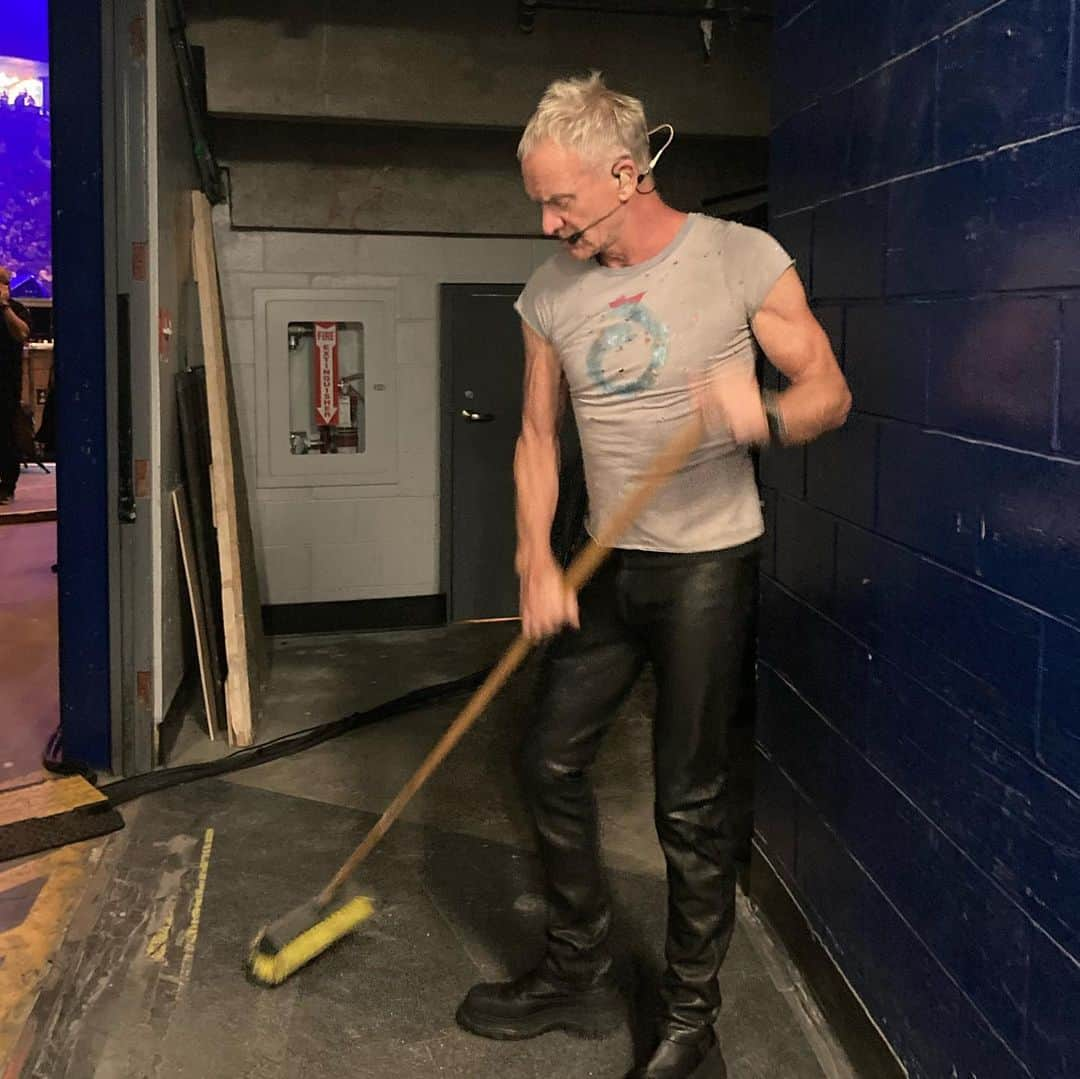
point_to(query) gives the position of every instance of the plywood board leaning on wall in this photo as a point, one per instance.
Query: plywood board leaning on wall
(194, 423)
(186, 532)
(241, 610)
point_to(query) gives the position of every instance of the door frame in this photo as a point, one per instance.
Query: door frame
(85, 335)
(101, 264)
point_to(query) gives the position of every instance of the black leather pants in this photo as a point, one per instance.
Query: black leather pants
(691, 617)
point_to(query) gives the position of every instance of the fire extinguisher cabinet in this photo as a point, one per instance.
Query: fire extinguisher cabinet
(325, 386)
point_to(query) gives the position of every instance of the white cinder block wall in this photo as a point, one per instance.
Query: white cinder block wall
(326, 543)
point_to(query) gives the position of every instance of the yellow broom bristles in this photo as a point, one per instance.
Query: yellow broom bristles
(274, 969)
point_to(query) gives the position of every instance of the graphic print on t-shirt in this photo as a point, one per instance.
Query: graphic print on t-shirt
(613, 350)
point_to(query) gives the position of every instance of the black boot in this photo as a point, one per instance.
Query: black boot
(696, 1057)
(538, 1002)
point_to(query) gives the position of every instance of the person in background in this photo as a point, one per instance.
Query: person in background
(14, 333)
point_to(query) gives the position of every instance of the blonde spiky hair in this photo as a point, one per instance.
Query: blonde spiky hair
(583, 114)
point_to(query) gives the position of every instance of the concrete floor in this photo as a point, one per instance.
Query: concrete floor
(150, 982)
(35, 497)
(29, 689)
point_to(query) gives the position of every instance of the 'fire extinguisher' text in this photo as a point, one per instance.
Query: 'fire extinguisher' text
(326, 373)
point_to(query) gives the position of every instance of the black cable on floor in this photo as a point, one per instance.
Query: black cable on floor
(124, 790)
(53, 760)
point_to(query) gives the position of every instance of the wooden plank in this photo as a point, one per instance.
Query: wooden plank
(239, 588)
(194, 423)
(198, 607)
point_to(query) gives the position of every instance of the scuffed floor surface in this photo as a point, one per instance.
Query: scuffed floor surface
(152, 986)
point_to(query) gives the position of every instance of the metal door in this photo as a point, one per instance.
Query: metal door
(482, 365)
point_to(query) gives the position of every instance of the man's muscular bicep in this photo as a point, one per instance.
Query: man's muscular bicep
(544, 397)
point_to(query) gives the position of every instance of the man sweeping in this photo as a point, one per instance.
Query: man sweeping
(644, 316)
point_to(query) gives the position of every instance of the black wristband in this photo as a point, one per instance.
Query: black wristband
(777, 428)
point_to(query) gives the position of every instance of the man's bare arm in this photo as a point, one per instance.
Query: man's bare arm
(536, 457)
(545, 604)
(818, 398)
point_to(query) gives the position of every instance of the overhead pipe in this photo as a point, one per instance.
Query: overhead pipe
(527, 10)
(210, 178)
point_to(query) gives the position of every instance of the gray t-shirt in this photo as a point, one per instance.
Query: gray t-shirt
(630, 340)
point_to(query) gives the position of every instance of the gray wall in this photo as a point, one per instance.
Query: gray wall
(466, 64)
(369, 178)
(373, 117)
(315, 542)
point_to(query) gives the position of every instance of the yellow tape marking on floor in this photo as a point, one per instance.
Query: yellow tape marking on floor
(196, 910)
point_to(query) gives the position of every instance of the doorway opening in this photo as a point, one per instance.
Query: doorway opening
(28, 420)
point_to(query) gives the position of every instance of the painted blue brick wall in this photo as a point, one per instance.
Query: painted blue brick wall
(919, 705)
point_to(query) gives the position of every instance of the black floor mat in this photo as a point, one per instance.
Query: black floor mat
(37, 834)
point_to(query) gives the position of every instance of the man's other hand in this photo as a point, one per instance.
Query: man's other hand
(731, 403)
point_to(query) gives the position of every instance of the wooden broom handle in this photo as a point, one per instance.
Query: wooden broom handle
(670, 459)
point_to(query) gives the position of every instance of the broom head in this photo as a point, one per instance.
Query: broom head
(290, 942)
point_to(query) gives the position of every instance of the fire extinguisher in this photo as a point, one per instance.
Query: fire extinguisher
(349, 404)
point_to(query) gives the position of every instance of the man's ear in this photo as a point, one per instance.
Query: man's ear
(625, 171)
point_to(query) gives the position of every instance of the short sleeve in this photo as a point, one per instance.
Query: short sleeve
(755, 261)
(534, 305)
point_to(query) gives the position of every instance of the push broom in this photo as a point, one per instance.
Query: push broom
(297, 938)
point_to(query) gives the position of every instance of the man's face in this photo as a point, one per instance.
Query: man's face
(5, 289)
(572, 194)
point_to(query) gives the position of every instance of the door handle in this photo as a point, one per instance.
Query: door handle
(477, 417)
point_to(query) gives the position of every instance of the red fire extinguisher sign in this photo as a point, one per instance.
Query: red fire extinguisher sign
(326, 373)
